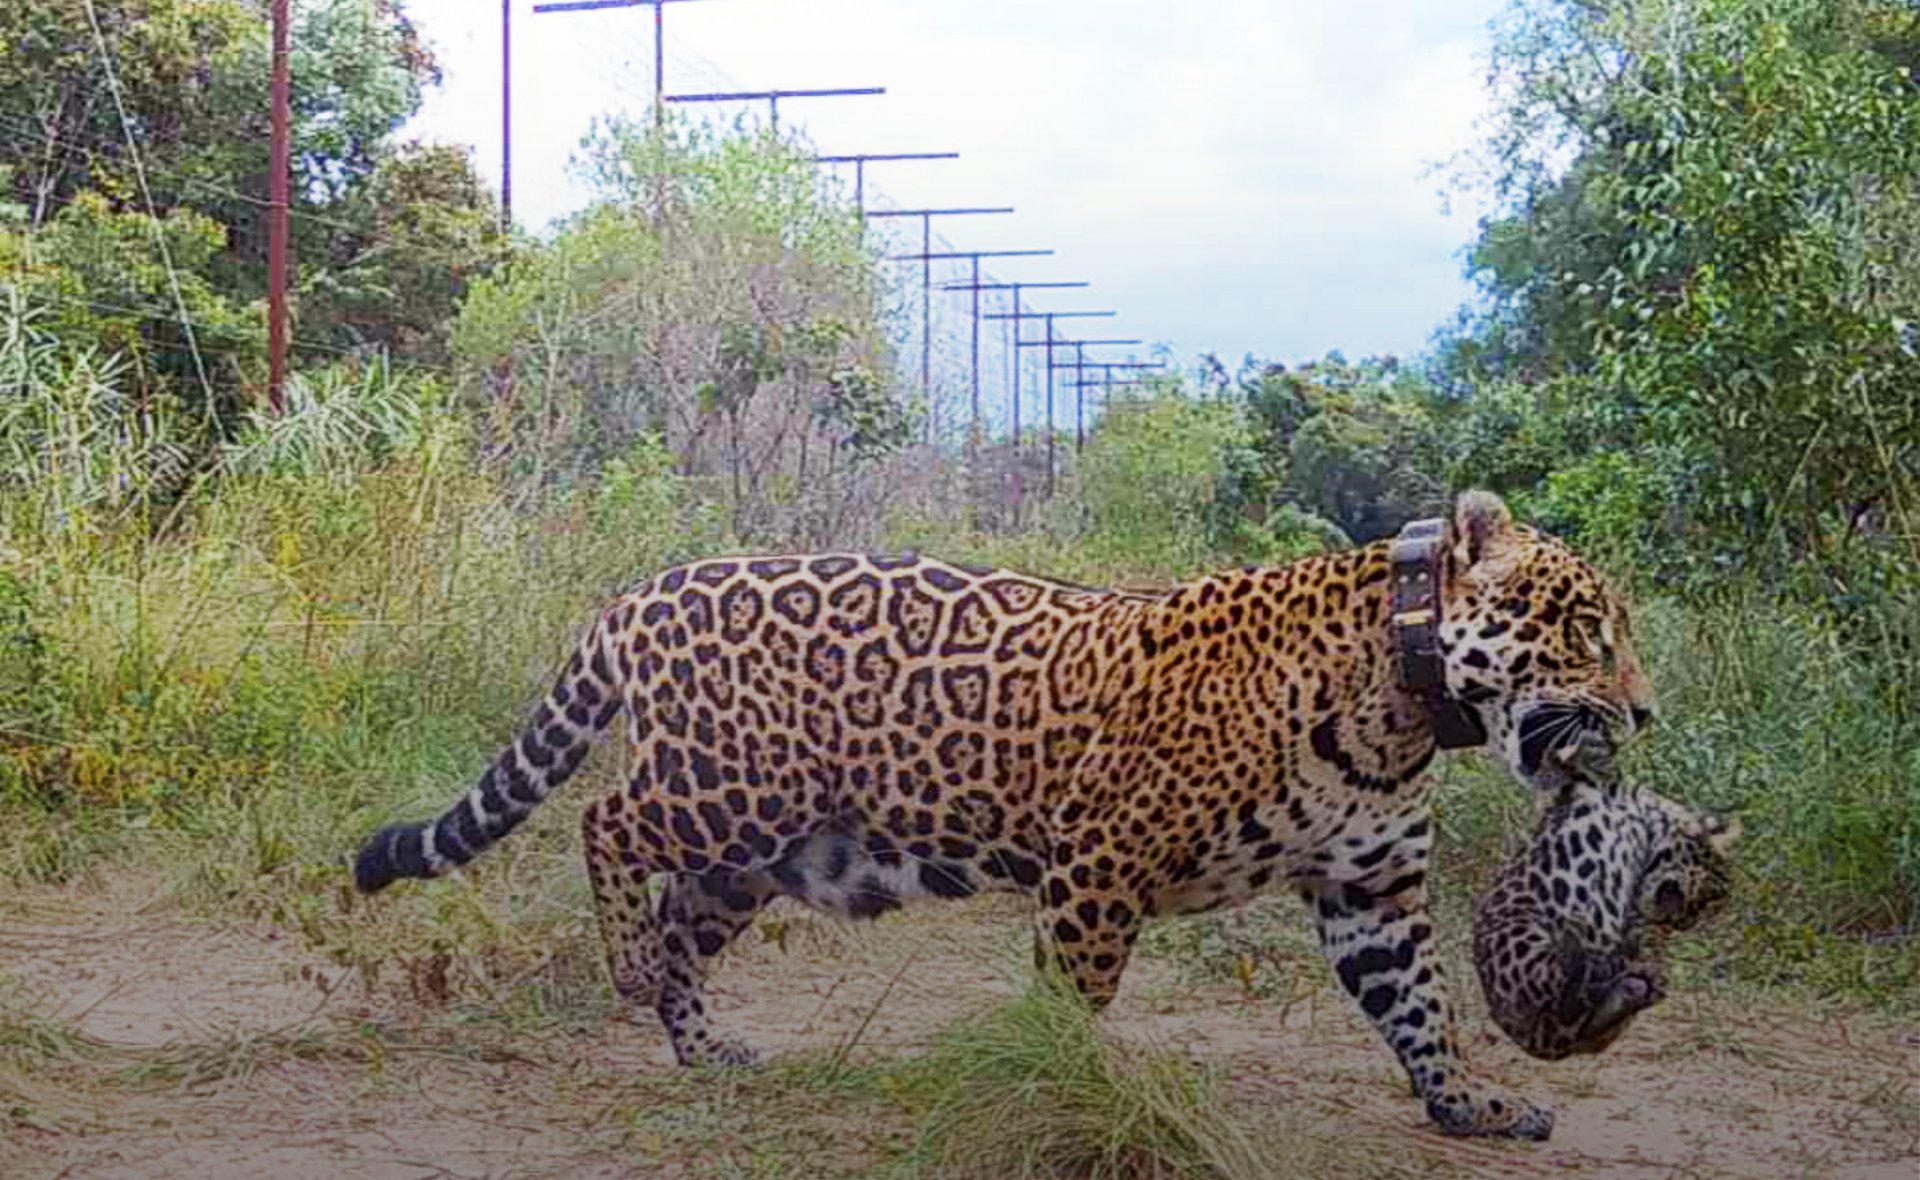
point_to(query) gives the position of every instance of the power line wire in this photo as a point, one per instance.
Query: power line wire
(160, 240)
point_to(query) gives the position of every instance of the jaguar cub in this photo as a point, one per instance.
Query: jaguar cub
(1562, 940)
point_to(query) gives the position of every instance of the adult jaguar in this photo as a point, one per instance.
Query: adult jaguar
(857, 731)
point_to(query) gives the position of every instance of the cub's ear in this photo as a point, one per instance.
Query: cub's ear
(1718, 832)
(1481, 527)
(1721, 831)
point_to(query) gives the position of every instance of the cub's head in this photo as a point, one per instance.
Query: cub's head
(1536, 642)
(1689, 873)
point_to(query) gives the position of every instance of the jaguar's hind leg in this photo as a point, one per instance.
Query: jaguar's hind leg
(628, 928)
(1087, 932)
(700, 914)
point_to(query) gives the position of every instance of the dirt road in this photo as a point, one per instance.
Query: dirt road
(141, 1042)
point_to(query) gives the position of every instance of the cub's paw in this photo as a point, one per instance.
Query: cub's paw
(1490, 1113)
(718, 1053)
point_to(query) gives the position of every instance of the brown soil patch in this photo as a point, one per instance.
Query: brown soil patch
(278, 1078)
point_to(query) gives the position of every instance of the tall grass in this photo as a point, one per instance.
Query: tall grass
(346, 617)
(1033, 1088)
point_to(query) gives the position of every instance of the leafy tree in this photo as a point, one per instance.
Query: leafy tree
(1151, 476)
(387, 238)
(1723, 276)
(415, 236)
(105, 287)
(191, 76)
(712, 297)
(1353, 444)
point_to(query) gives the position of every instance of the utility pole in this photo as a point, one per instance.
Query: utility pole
(1013, 299)
(1079, 367)
(925, 256)
(860, 160)
(928, 258)
(1106, 384)
(1048, 343)
(506, 116)
(772, 97)
(659, 37)
(279, 197)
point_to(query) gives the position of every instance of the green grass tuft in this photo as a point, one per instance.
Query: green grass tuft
(1032, 1088)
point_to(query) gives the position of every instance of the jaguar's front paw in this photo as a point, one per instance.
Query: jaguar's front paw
(1490, 1113)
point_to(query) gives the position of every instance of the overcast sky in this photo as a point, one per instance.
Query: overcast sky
(1232, 175)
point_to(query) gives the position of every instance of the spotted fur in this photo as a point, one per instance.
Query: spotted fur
(1564, 940)
(856, 732)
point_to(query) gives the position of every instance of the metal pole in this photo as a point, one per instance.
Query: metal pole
(279, 196)
(925, 256)
(976, 286)
(1079, 397)
(506, 115)
(1019, 476)
(1049, 316)
(973, 368)
(1014, 345)
(659, 74)
(926, 317)
(1048, 343)
(862, 159)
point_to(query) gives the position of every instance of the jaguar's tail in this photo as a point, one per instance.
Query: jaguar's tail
(584, 701)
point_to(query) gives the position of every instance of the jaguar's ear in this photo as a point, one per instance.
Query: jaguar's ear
(1482, 528)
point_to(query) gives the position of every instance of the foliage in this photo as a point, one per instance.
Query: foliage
(372, 223)
(361, 69)
(343, 421)
(1352, 449)
(1724, 271)
(188, 75)
(103, 286)
(418, 233)
(1151, 476)
(739, 321)
(353, 600)
(75, 450)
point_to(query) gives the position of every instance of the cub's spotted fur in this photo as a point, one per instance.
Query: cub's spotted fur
(856, 731)
(1560, 940)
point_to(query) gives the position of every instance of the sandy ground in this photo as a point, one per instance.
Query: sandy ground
(246, 1056)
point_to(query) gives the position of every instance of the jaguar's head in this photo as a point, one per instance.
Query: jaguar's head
(1536, 642)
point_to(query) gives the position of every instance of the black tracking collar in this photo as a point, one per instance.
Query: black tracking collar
(1418, 556)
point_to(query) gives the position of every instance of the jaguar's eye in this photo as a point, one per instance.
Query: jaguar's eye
(1594, 637)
